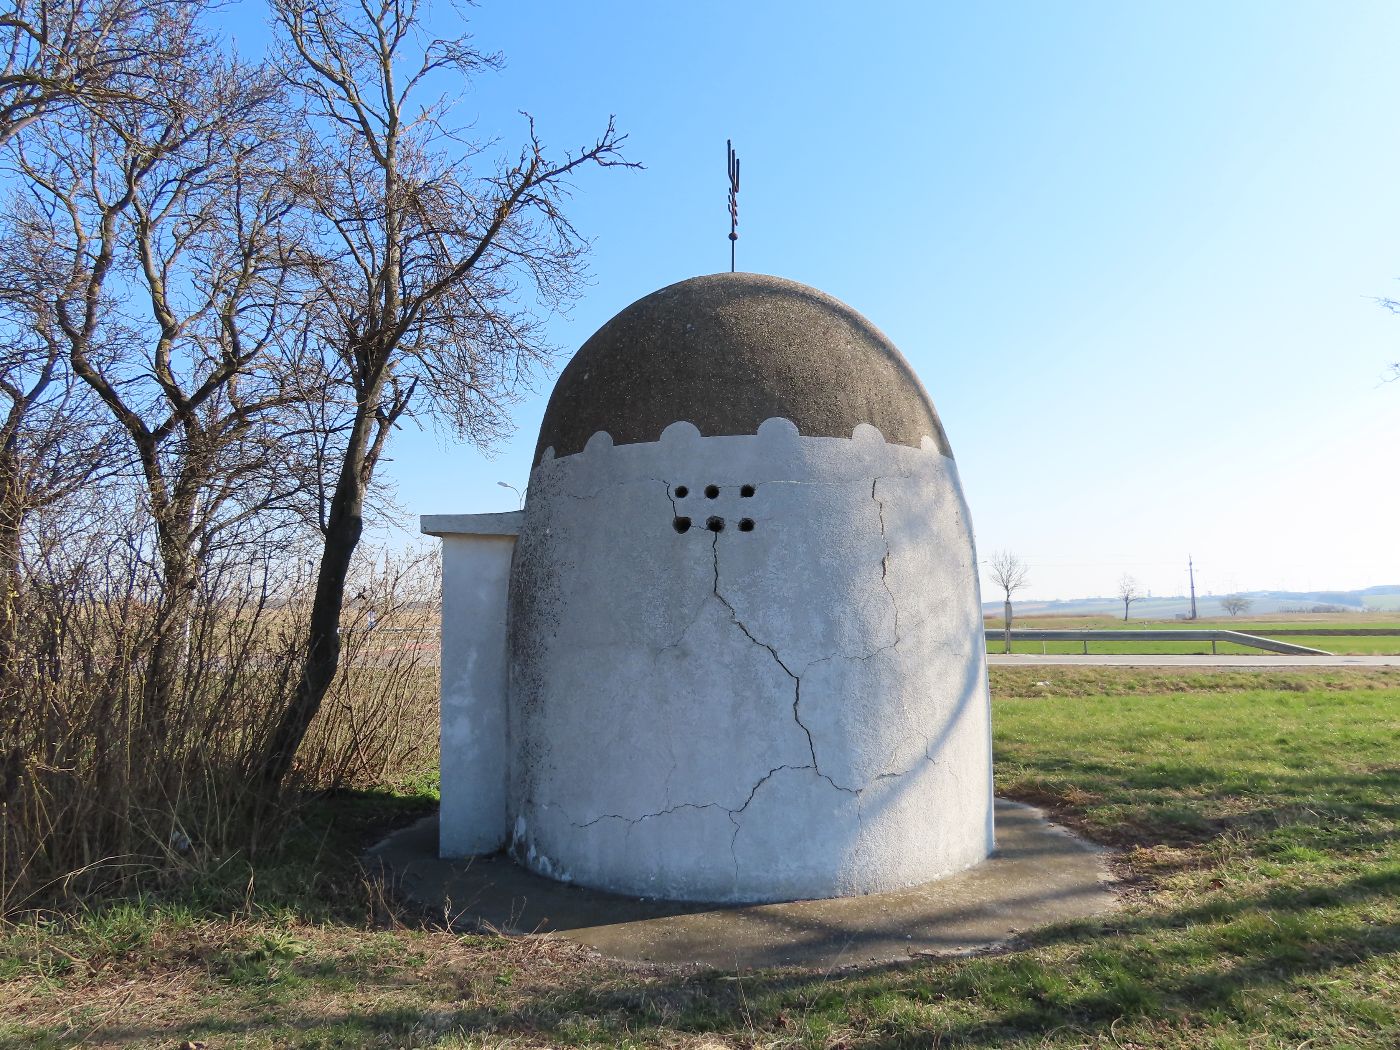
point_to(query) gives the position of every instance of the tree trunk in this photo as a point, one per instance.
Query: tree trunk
(11, 525)
(344, 526)
(168, 643)
(1006, 622)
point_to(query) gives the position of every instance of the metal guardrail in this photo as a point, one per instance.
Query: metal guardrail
(1253, 641)
(1331, 632)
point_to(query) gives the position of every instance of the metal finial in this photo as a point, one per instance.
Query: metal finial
(733, 200)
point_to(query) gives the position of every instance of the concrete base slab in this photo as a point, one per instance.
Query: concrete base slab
(1040, 874)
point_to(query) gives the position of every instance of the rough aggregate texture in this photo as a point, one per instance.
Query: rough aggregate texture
(728, 351)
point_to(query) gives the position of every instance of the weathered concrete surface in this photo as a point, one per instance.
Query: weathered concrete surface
(1039, 874)
(476, 557)
(506, 523)
(728, 351)
(792, 707)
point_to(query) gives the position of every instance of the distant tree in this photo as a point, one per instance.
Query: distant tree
(1128, 593)
(1235, 604)
(1009, 573)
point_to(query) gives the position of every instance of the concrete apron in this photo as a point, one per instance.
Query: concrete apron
(1039, 874)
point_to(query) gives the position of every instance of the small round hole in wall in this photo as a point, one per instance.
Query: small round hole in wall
(715, 524)
(682, 492)
(746, 491)
(681, 524)
(746, 525)
(711, 491)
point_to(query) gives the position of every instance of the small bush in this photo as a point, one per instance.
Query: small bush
(94, 798)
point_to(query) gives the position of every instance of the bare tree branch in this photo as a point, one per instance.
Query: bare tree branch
(165, 226)
(422, 272)
(59, 55)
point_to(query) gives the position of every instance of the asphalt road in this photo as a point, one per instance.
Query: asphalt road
(1263, 660)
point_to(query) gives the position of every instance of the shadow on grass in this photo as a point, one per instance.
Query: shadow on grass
(1213, 957)
(1187, 805)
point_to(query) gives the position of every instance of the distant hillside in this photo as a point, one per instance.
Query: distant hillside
(1370, 599)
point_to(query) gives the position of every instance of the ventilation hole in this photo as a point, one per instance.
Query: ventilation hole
(711, 491)
(746, 491)
(746, 525)
(681, 524)
(682, 492)
(715, 524)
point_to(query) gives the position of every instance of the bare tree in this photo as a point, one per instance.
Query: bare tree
(1128, 593)
(419, 272)
(1234, 604)
(53, 440)
(62, 54)
(164, 226)
(1009, 573)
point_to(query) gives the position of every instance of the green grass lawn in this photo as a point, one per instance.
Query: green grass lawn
(1255, 818)
(1296, 622)
(1374, 645)
(1348, 645)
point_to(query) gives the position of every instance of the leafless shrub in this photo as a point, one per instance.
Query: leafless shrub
(89, 800)
(379, 721)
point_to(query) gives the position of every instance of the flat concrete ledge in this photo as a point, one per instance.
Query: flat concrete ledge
(506, 523)
(1040, 874)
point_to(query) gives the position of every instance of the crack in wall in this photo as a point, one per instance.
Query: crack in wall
(924, 757)
(669, 494)
(700, 609)
(633, 821)
(732, 814)
(847, 493)
(738, 825)
(796, 679)
(885, 561)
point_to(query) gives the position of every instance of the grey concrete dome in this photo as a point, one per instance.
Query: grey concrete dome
(728, 351)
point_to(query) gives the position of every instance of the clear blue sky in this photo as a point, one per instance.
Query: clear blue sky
(1128, 247)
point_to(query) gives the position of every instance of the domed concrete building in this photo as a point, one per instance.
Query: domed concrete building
(744, 655)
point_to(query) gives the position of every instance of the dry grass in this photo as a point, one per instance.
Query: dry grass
(99, 796)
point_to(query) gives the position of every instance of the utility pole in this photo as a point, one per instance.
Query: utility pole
(1191, 570)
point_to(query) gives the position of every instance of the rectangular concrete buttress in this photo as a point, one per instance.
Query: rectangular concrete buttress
(476, 555)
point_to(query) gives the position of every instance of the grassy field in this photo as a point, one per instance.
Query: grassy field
(1256, 822)
(1341, 646)
(1349, 645)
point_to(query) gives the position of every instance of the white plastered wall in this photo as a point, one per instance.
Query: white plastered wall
(476, 557)
(795, 711)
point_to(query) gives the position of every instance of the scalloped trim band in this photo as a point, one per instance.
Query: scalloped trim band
(774, 428)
